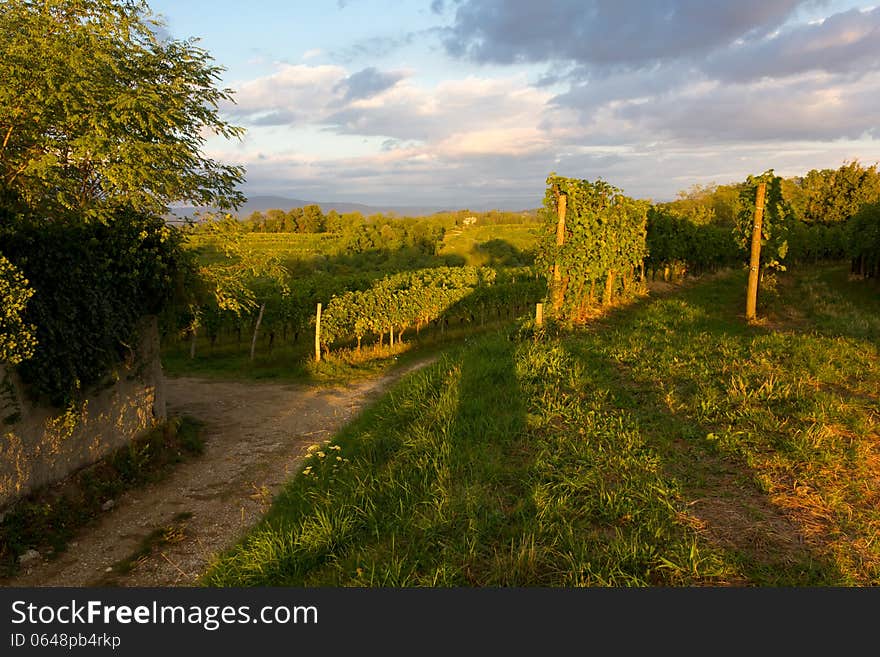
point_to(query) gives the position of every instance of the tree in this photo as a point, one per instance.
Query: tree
(98, 109)
(242, 283)
(334, 222)
(833, 196)
(17, 337)
(312, 220)
(275, 220)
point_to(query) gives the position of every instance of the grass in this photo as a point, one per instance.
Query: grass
(48, 518)
(475, 243)
(288, 247)
(669, 443)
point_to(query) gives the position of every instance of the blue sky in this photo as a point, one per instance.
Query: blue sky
(471, 103)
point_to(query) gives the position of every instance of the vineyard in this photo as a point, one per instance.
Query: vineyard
(575, 385)
(382, 281)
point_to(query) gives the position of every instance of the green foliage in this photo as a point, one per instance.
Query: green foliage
(400, 301)
(605, 234)
(863, 241)
(97, 109)
(809, 243)
(246, 276)
(17, 337)
(92, 283)
(422, 237)
(674, 240)
(706, 204)
(777, 221)
(833, 196)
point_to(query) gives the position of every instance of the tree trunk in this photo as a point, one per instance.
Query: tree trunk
(257, 329)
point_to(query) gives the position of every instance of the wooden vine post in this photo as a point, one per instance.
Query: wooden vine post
(560, 240)
(257, 329)
(539, 314)
(755, 259)
(318, 335)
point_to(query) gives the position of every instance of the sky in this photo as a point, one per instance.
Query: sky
(472, 103)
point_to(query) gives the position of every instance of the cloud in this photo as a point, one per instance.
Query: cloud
(292, 95)
(588, 93)
(368, 82)
(606, 33)
(471, 115)
(847, 42)
(818, 107)
(373, 47)
(806, 81)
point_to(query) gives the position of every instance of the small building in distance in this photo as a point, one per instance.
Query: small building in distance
(469, 221)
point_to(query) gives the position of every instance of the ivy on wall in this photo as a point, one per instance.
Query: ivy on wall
(91, 283)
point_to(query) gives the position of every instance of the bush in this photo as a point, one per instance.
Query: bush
(92, 282)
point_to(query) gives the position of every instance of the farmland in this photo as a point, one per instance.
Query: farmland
(667, 444)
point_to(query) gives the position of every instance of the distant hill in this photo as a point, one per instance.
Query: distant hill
(263, 203)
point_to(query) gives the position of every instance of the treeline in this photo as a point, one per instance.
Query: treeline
(863, 239)
(311, 219)
(823, 215)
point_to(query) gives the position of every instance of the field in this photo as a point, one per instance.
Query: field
(318, 270)
(667, 443)
(487, 245)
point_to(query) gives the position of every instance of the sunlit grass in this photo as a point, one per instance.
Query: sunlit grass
(669, 443)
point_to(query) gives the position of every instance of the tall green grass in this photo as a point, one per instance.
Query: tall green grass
(667, 444)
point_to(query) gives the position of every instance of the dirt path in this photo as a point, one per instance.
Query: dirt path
(256, 435)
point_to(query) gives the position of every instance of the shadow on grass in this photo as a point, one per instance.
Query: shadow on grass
(719, 493)
(408, 494)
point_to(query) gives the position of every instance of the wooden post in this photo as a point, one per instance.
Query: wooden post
(318, 335)
(609, 287)
(257, 329)
(192, 342)
(560, 240)
(755, 259)
(539, 314)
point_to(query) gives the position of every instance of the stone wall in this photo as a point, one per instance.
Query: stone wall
(40, 445)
